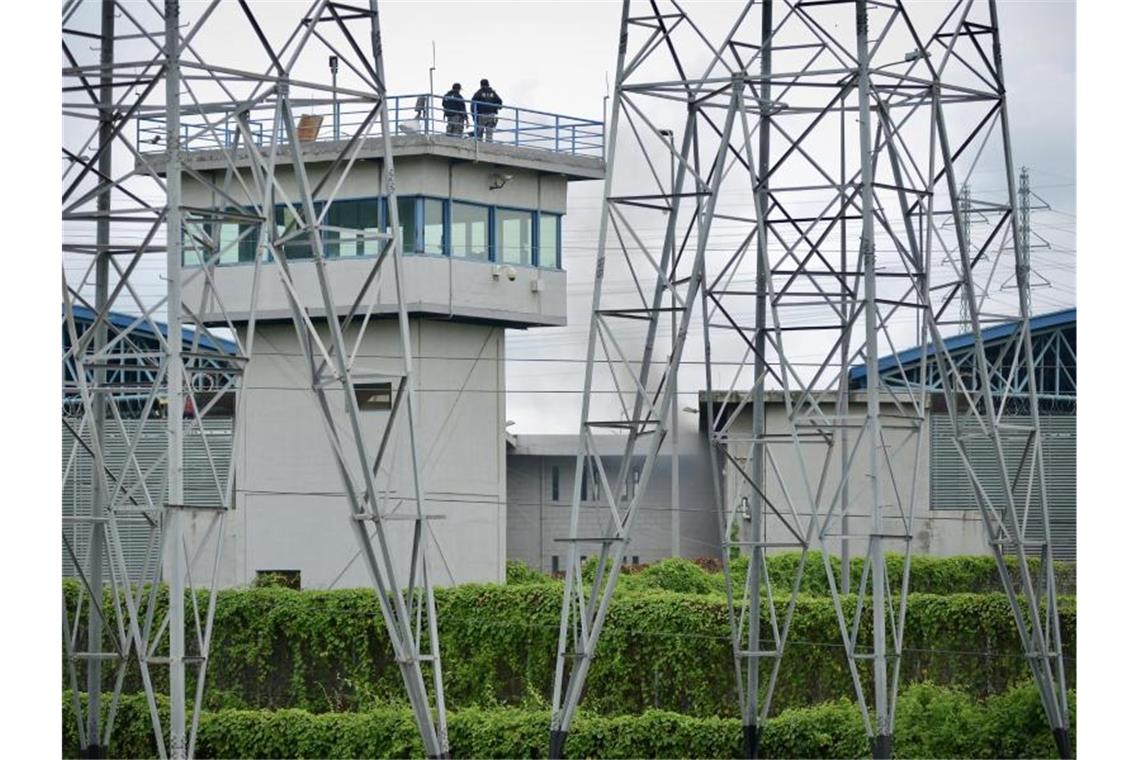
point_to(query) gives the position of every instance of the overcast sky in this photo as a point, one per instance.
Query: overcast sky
(558, 55)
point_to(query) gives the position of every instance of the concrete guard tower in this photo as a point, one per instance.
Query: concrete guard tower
(481, 225)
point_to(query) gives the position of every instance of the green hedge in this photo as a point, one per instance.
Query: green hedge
(928, 575)
(327, 651)
(930, 722)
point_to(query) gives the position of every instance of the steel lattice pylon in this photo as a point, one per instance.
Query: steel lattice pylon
(208, 104)
(847, 130)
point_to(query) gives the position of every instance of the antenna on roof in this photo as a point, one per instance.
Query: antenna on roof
(605, 105)
(431, 89)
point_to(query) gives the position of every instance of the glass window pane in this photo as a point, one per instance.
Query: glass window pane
(359, 214)
(368, 217)
(227, 243)
(548, 241)
(470, 225)
(433, 226)
(406, 208)
(339, 242)
(193, 250)
(513, 236)
(247, 242)
(299, 245)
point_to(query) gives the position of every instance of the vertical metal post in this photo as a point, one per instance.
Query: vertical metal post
(1048, 660)
(559, 723)
(759, 406)
(434, 736)
(964, 204)
(99, 496)
(174, 395)
(334, 64)
(674, 426)
(844, 399)
(881, 743)
(431, 92)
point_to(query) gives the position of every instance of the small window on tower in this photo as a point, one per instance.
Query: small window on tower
(373, 396)
(554, 484)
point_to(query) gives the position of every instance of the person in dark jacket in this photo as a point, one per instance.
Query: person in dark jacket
(455, 111)
(485, 109)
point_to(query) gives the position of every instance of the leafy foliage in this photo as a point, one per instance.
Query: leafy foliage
(327, 651)
(928, 574)
(520, 574)
(931, 722)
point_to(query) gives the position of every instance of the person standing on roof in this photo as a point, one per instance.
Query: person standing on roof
(455, 111)
(485, 108)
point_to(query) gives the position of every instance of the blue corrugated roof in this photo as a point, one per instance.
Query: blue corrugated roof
(123, 321)
(993, 333)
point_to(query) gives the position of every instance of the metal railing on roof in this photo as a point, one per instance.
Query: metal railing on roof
(408, 114)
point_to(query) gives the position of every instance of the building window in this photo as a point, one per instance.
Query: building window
(290, 225)
(226, 241)
(548, 233)
(513, 231)
(433, 226)
(554, 484)
(231, 242)
(470, 231)
(554, 563)
(360, 214)
(408, 209)
(373, 396)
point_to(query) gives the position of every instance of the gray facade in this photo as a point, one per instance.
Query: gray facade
(541, 483)
(928, 469)
(942, 532)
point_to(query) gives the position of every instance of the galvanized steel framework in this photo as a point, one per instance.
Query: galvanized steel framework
(213, 101)
(852, 127)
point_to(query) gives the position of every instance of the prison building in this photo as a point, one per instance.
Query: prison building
(481, 225)
(946, 520)
(541, 484)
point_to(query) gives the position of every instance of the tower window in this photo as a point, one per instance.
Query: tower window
(433, 226)
(548, 234)
(361, 214)
(513, 231)
(373, 396)
(291, 225)
(407, 208)
(470, 231)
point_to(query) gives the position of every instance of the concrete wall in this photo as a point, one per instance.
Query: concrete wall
(291, 513)
(415, 175)
(941, 532)
(535, 519)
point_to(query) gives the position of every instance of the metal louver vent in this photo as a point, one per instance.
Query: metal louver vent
(950, 485)
(145, 483)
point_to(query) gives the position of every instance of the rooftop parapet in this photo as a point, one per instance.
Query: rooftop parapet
(419, 114)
